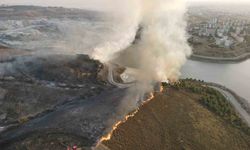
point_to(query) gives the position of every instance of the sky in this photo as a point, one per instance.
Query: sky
(222, 1)
(90, 4)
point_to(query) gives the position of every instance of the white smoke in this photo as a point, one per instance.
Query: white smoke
(163, 47)
(126, 18)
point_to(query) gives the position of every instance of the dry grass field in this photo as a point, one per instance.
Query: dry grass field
(176, 120)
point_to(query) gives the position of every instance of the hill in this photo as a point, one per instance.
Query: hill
(179, 118)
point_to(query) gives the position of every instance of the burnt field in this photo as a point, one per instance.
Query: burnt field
(54, 101)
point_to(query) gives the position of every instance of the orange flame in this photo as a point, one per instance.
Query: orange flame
(115, 126)
(161, 89)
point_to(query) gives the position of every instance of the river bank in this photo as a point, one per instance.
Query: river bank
(243, 102)
(229, 60)
(233, 76)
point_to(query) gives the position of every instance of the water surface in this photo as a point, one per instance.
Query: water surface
(234, 76)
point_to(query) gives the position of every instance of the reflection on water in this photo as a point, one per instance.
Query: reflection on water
(234, 76)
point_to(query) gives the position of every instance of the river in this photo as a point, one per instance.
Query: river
(234, 76)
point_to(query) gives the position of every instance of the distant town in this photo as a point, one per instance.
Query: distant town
(216, 31)
(224, 32)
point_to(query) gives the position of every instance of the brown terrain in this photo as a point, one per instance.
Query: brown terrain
(176, 119)
(205, 50)
(39, 94)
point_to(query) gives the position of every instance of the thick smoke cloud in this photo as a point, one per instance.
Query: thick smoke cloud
(162, 49)
(156, 56)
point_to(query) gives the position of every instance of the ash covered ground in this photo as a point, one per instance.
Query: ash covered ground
(55, 101)
(53, 95)
(48, 99)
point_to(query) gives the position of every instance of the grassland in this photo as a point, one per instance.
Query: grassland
(187, 115)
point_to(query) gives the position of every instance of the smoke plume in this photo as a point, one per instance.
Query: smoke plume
(162, 48)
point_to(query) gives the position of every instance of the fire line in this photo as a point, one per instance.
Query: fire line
(116, 125)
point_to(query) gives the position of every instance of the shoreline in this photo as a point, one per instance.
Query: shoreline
(243, 103)
(230, 60)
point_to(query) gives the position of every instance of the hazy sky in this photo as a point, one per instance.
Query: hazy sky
(93, 4)
(222, 1)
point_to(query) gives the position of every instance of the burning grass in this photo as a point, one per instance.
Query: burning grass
(126, 118)
(176, 119)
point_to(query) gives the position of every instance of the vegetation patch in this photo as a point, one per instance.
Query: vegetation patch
(214, 101)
